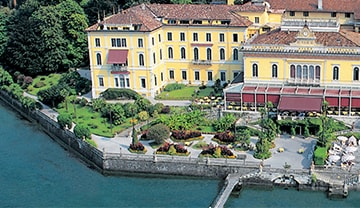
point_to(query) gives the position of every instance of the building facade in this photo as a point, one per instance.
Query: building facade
(150, 45)
(314, 55)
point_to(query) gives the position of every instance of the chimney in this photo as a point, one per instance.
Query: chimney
(320, 5)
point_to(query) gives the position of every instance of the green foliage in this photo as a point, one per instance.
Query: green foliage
(5, 78)
(313, 178)
(143, 116)
(182, 120)
(320, 155)
(262, 148)
(28, 103)
(39, 84)
(224, 123)
(4, 16)
(159, 133)
(174, 86)
(76, 82)
(82, 131)
(52, 96)
(142, 104)
(65, 119)
(172, 150)
(115, 93)
(47, 38)
(293, 131)
(98, 103)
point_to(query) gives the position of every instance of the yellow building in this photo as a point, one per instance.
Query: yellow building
(150, 45)
(314, 55)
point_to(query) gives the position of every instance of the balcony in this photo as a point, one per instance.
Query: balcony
(305, 82)
(118, 69)
(201, 62)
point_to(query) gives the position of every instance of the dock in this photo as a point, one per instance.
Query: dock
(230, 182)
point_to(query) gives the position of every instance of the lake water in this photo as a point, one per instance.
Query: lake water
(37, 172)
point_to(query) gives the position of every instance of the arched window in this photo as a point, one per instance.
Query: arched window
(356, 74)
(298, 71)
(311, 72)
(235, 54)
(335, 73)
(255, 70)
(222, 54)
(305, 72)
(274, 69)
(196, 54)
(317, 72)
(170, 53)
(292, 71)
(98, 59)
(208, 54)
(141, 59)
(183, 53)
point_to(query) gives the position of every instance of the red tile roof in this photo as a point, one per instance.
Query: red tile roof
(148, 15)
(298, 103)
(312, 5)
(278, 37)
(303, 91)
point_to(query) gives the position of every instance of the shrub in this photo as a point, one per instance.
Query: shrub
(83, 102)
(159, 133)
(172, 149)
(174, 86)
(217, 151)
(185, 134)
(166, 110)
(226, 137)
(64, 119)
(115, 93)
(82, 131)
(320, 155)
(137, 147)
(202, 87)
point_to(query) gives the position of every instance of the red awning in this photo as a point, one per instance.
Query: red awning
(355, 102)
(333, 101)
(274, 99)
(248, 98)
(345, 102)
(301, 104)
(260, 98)
(117, 56)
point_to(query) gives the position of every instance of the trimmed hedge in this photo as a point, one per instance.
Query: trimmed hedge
(115, 93)
(65, 119)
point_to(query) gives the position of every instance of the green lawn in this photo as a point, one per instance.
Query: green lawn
(184, 94)
(97, 124)
(49, 80)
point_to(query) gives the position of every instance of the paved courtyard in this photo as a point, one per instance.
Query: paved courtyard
(290, 155)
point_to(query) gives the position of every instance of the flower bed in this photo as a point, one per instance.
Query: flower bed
(137, 148)
(224, 137)
(172, 149)
(217, 152)
(182, 135)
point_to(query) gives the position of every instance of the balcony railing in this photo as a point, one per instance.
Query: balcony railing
(303, 81)
(201, 62)
(119, 68)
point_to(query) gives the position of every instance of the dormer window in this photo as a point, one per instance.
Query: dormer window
(347, 15)
(225, 22)
(172, 21)
(305, 14)
(184, 22)
(333, 14)
(199, 22)
(292, 13)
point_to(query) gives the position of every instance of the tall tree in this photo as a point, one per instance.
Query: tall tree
(4, 16)
(74, 22)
